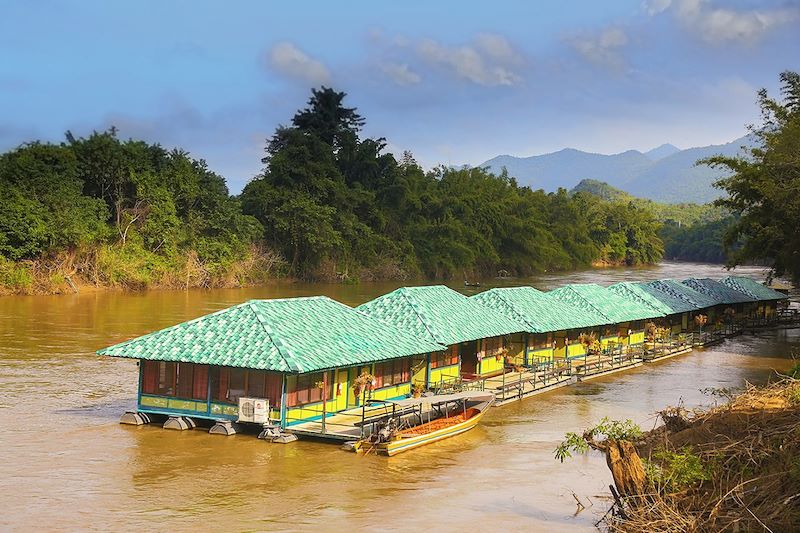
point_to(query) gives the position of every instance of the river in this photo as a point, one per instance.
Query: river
(67, 463)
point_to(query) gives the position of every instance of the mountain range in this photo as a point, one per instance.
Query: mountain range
(664, 174)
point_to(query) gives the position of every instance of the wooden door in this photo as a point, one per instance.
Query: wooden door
(469, 358)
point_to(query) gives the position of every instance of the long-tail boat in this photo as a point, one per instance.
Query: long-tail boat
(418, 421)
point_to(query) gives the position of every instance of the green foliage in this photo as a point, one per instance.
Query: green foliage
(762, 190)
(331, 202)
(16, 277)
(676, 471)
(327, 197)
(42, 205)
(701, 242)
(140, 207)
(689, 232)
(607, 429)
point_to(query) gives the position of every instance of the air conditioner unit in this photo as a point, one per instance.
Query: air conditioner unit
(254, 410)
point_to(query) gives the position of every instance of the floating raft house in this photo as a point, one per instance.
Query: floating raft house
(719, 292)
(473, 333)
(547, 319)
(281, 350)
(753, 289)
(306, 357)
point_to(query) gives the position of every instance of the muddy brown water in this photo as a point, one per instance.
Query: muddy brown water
(67, 464)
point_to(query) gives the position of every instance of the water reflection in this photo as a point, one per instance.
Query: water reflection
(72, 466)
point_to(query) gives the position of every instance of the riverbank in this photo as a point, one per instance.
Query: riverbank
(733, 467)
(131, 268)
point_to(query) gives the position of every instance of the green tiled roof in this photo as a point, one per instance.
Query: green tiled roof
(688, 294)
(284, 335)
(540, 311)
(752, 288)
(633, 291)
(441, 314)
(716, 290)
(667, 296)
(595, 298)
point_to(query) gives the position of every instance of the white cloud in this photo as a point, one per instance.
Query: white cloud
(719, 25)
(604, 49)
(489, 61)
(497, 47)
(654, 7)
(286, 58)
(400, 73)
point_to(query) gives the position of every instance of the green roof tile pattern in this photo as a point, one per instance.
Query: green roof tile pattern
(752, 288)
(594, 298)
(632, 291)
(541, 312)
(714, 289)
(285, 335)
(440, 314)
(667, 296)
(688, 294)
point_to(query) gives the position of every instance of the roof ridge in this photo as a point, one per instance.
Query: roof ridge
(279, 346)
(420, 315)
(519, 316)
(589, 302)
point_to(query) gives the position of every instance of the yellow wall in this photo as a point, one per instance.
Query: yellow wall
(637, 337)
(576, 349)
(446, 373)
(559, 352)
(490, 365)
(611, 338)
(541, 353)
(420, 362)
(394, 391)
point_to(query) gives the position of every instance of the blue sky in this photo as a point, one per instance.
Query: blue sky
(452, 81)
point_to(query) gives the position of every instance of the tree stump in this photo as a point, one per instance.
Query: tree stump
(626, 468)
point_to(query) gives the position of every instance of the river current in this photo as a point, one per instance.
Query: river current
(68, 464)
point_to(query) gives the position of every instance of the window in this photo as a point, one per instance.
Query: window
(256, 383)
(392, 373)
(158, 377)
(303, 389)
(492, 346)
(540, 341)
(446, 358)
(229, 384)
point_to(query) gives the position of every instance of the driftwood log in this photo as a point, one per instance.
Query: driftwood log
(626, 468)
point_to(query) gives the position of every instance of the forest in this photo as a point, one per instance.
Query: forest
(328, 205)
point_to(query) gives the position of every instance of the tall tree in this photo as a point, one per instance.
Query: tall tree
(763, 187)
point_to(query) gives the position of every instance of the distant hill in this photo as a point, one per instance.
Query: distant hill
(665, 174)
(602, 190)
(680, 214)
(665, 150)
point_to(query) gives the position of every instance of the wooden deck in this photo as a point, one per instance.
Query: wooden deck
(513, 386)
(339, 426)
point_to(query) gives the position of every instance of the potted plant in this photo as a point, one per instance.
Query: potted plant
(363, 382)
(701, 320)
(590, 343)
(417, 389)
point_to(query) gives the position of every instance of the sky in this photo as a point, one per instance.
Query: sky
(454, 82)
